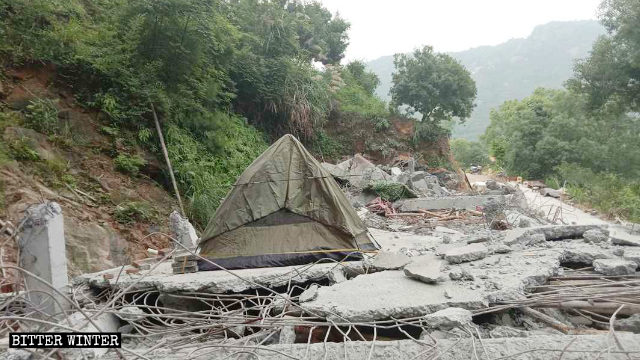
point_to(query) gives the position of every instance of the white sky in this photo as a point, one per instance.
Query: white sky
(385, 27)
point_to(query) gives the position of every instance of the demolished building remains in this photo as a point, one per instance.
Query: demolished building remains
(457, 275)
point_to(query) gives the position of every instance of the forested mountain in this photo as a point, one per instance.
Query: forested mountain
(512, 70)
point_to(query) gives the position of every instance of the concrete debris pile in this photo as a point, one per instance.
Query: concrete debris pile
(446, 283)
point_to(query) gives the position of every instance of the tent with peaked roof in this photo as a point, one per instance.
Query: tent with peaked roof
(284, 209)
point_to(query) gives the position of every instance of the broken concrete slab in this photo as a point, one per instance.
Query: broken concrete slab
(551, 192)
(551, 233)
(449, 318)
(389, 261)
(427, 269)
(467, 253)
(449, 202)
(398, 241)
(389, 294)
(612, 267)
(163, 279)
(620, 236)
(583, 255)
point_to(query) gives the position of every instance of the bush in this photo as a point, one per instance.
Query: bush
(205, 174)
(609, 193)
(42, 116)
(390, 191)
(326, 146)
(21, 149)
(132, 211)
(129, 164)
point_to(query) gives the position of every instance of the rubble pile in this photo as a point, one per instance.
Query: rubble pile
(445, 283)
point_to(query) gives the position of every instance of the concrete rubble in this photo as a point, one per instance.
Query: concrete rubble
(445, 283)
(614, 267)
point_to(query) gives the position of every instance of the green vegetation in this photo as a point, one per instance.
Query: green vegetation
(469, 153)
(610, 193)
(130, 212)
(198, 62)
(587, 136)
(22, 149)
(436, 86)
(224, 78)
(129, 164)
(513, 69)
(390, 191)
(42, 116)
(206, 179)
(357, 94)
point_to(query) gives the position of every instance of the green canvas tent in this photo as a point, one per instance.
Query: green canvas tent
(285, 209)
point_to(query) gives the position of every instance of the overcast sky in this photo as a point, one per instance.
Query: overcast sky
(385, 27)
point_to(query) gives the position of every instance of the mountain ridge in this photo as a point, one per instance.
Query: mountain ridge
(513, 69)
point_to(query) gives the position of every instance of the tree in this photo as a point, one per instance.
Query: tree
(366, 79)
(468, 152)
(434, 84)
(612, 71)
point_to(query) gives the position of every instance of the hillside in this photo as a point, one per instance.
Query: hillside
(512, 70)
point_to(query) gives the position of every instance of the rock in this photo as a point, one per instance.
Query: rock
(280, 303)
(427, 270)
(584, 256)
(534, 239)
(633, 255)
(358, 171)
(395, 172)
(182, 230)
(336, 276)
(501, 249)
(632, 324)
(594, 236)
(460, 274)
(130, 313)
(467, 253)
(425, 183)
(618, 252)
(613, 267)
(389, 261)
(310, 294)
(448, 318)
(288, 333)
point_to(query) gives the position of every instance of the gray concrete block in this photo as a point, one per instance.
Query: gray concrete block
(42, 244)
(427, 269)
(467, 253)
(615, 267)
(449, 318)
